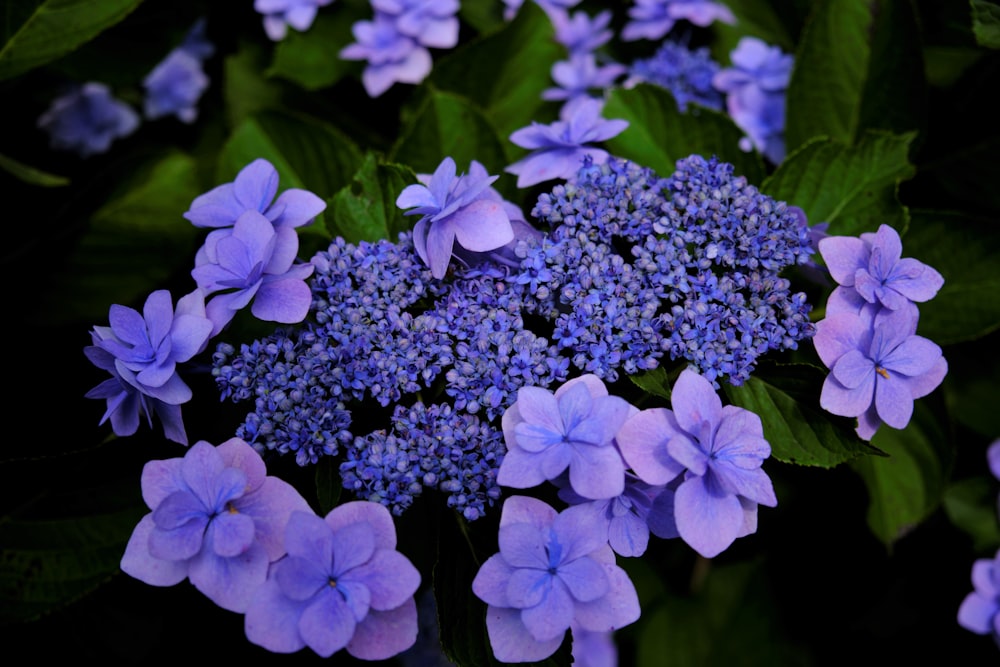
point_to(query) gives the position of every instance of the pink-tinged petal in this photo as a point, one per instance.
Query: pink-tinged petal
(525, 509)
(383, 634)
(137, 562)
(327, 624)
(642, 440)
(843, 256)
(694, 401)
(284, 300)
(707, 522)
(440, 34)
(839, 400)
(510, 639)
(620, 607)
(256, 185)
(490, 582)
(550, 618)
(236, 453)
(271, 506)
(893, 401)
(482, 226)
(229, 582)
(976, 613)
(853, 369)
(836, 335)
(373, 514)
(597, 472)
(607, 415)
(159, 479)
(272, 620)
(390, 578)
(520, 470)
(255, 234)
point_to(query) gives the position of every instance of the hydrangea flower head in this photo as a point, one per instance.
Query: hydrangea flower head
(217, 519)
(87, 119)
(254, 262)
(558, 149)
(686, 73)
(142, 351)
(455, 209)
(174, 87)
(878, 367)
(755, 87)
(553, 571)
(279, 14)
(573, 428)
(652, 19)
(391, 56)
(581, 33)
(980, 610)
(870, 270)
(719, 451)
(253, 190)
(343, 585)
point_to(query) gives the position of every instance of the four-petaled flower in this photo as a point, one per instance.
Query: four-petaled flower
(342, 585)
(718, 449)
(980, 610)
(87, 119)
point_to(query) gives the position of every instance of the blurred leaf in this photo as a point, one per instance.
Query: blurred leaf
(505, 72)
(659, 134)
(245, 90)
(483, 16)
(986, 23)
(854, 188)
(31, 175)
(905, 487)
(38, 32)
(786, 398)
(973, 383)
(874, 82)
(307, 153)
(757, 18)
(445, 125)
(366, 209)
(135, 242)
(967, 253)
(971, 504)
(311, 59)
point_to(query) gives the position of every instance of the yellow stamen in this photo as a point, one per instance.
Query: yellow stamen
(881, 371)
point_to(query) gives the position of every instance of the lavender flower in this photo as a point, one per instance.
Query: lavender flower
(581, 33)
(553, 571)
(558, 149)
(869, 271)
(980, 610)
(652, 19)
(573, 428)
(253, 262)
(391, 56)
(431, 23)
(217, 519)
(174, 87)
(454, 210)
(87, 119)
(755, 88)
(142, 351)
(686, 73)
(719, 451)
(343, 585)
(576, 77)
(878, 367)
(279, 14)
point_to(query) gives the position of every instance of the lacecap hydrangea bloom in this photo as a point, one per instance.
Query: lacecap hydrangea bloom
(342, 585)
(716, 451)
(280, 14)
(652, 19)
(686, 73)
(142, 352)
(216, 519)
(87, 119)
(554, 571)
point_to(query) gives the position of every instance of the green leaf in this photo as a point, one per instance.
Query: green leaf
(986, 23)
(875, 80)
(312, 59)
(659, 134)
(245, 91)
(307, 153)
(31, 175)
(905, 487)
(505, 72)
(445, 125)
(39, 32)
(967, 253)
(758, 18)
(786, 398)
(971, 504)
(655, 382)
(366, 209)
(139, 234)
(854, 188)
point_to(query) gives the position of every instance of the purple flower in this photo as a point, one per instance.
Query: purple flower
(175, 86)
(755, 88)
(141, 351)
(580, 74)
(342, 585)
(686, 73)
(719, 450)
(554, 571)
(979, 610)
(454, 210)
(558, 149)
(253, 262)
(580, 33)
(993, 457)
(392, 56)
(217, 519)
(573, 428)
(652, 19)
(431, 23)
(871, 270)
(87, 120)
(878, 367)
(253, 190)
(279, 14)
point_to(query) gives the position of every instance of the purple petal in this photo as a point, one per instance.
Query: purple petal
(523, 545)
(853, 369)
(272, 620)
(309, 537)
(836, 335)
(694, 402)
(922, 385)
(539, 407)
(914, 356)
(440, 243)
(844, 255)
(893, 401)
(642, 440)
(390, 577)
(383, 634)
(551, 617)
(283, 300)
(139, 563)
(525, 509)
(915, 280)
(618, 608)
(520, 470)
(271, 506)
(707, 522)
(300, 579)
(628, 534)
(229, 582)
(839, 400)
(510, 639)
(376, 516)
(976, 613)
(688, 453)
(230, 534)
(159, 479)
(256, 185)
(584, 579)
(578, 533)
(327, 624)
(597, 472)
(490, 582)
(482, 226)
(527, 587)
